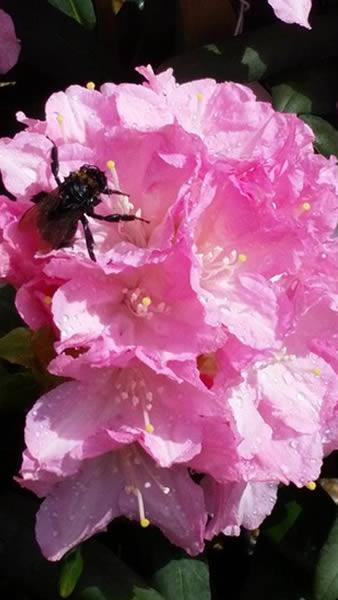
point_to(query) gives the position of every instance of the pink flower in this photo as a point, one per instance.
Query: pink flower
(274, 421)
(84, 444)
(292, 11)
(77, 419)
(9, 44)
(139, 312)
(204, 340)
(125, 482)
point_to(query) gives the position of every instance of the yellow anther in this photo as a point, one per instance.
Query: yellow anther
(311, 485)
(59, 118)
(111, 164)
(146, 301)
(317, 371)
(48, 300)
(149, 428)
(144, 522)
(90, 85)
(242, 258)
(199, 96)
(306, 206)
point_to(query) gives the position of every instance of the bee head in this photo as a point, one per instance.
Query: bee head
(93, 177)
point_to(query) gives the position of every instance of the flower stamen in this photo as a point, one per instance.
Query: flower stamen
(111, 166)
(60, 119)
(311, 485)
(305, 207)
(144, 522)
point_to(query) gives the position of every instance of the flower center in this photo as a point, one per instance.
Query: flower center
(138, 302)
(216, 261)
(142, 304)
(135, 233)
(134, 390)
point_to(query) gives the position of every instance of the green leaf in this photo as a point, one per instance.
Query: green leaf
(310, 90)
(183, 579)
(260, 53)
(16, 347)
(106, 577)
(33, 350)
(172, 573)
(279, 530)
(326, 135)
(294, 530)
(80, 10)
(71, 570)
(326, 575)
(286, 99)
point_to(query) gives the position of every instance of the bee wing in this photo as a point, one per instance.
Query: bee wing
(43, 201)
(29, 224)
(29, 218)
(56, 229)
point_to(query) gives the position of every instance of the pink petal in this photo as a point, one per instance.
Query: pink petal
(9, 44)
(58, 427)
(24, 163)
(233, 505)
(79, 507)
(172, 501)
(292, 11)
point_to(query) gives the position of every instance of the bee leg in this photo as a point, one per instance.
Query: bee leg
(54, 165)
(116, 192)
(88, 237)
(117, 218)
(39, 197)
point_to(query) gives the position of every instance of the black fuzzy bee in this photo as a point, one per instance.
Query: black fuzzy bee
(56, 214)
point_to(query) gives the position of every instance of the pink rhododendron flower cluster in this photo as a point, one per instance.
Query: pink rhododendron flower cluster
(9, 44)
(201, 347)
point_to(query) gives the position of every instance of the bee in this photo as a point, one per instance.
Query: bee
(56, 214)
